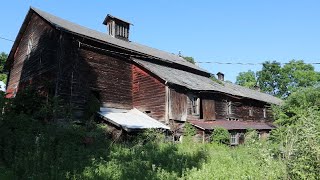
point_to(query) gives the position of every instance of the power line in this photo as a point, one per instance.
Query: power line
(198, 62)
(6, 39)
(231, 63)
(240, 63)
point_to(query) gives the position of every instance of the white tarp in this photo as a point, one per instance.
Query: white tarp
(2, 86)
(130, 119)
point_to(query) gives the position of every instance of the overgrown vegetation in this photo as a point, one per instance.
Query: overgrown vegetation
(220, 135)
(3, 59)
(34, 145)
(189, 59)
(297, 139)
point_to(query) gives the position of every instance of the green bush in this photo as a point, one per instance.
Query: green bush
(297, 139)
(189, 130)
(299, 145)
(220, 135)
(251, 137)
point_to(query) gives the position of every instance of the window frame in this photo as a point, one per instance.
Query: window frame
(251, 111)
(195, 105)
(265, 113)
(234, 138)
(229, 107)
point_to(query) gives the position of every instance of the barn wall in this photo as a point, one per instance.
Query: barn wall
(36, 66)
(240, 109)
(214, 107)
(178, 105)
(87, 73)
(149, 93)
(110, 76)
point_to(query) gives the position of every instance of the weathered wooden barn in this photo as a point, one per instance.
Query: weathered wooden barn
(73, 62)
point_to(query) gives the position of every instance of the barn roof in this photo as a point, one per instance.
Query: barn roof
(201, 83)
(83, 31)
(232, 125)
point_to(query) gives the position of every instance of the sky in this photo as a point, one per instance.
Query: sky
(246, 31)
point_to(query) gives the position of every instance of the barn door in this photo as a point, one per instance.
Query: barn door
(178, 106)
(208, 109)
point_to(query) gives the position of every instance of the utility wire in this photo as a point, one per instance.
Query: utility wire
(239, 63)
(6, 39)
(197, 62)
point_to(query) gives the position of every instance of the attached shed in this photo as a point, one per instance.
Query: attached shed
(235, 128)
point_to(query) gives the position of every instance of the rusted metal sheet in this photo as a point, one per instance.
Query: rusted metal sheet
(178, 105)
(149, 94)
(232, 125)
(208, 109)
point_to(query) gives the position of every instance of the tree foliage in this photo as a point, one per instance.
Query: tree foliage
(269, 78)
(247, 79)
(220, 135)
(297, 138)
(298, 144)
(282, 81)
(296, 104)
(189, 59)
(3, 59)
(279, 80)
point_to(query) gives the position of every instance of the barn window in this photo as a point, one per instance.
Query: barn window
(229, 108)
(250, 111)
(121, 31)
(234, 139)
(264, 112)
(194, 105)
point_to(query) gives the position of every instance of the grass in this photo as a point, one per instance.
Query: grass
(151, 160)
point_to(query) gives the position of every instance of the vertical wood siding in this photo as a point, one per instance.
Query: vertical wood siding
(109, 76)
(34, 60)
(208, 109)
(240, 109)
(149, 94)
(85, 72)
(178, 105)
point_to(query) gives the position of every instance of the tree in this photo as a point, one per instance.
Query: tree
(296, 104)
(220, 135)
(3, 59)
(247, 79)
(189, 59)
(297, 74)
(297, 136)
(282, 81)
(269, 77)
